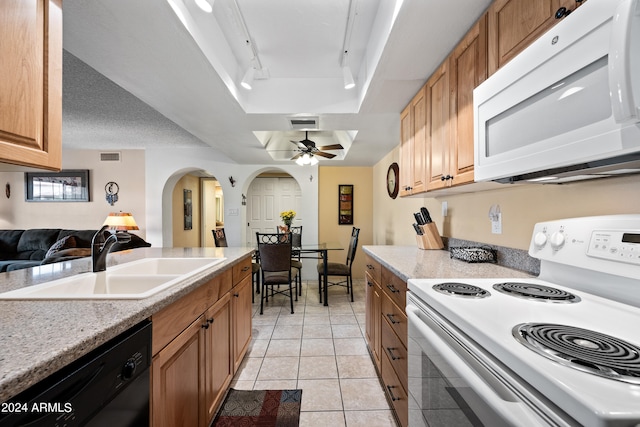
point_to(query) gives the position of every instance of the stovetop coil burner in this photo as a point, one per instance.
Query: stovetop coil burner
(536, 292)
(461, 290)
(582, 349)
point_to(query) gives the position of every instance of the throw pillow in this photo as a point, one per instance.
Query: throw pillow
(64, 243)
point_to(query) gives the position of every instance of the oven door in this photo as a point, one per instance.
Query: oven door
(452, 382)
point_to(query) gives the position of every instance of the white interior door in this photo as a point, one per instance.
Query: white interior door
(266, 198)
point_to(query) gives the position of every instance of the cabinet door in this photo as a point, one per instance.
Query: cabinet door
(406, 147)
(437, 95)
(514, 24)
(176, 380)
(468, 68)
(31, 83)
(419, 158)
(217, 355)
(373, 318)
(242, 308)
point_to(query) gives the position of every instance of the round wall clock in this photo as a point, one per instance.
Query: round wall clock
(392, 180)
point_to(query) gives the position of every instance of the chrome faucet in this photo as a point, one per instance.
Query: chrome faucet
(100, 246)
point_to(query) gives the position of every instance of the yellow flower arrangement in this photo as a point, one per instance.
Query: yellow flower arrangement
(287, 216)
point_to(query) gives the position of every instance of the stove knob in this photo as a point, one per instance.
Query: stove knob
(557, 240)
(539, 240)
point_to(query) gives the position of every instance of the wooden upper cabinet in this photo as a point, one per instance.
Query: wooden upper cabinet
(467, 69)
(514, 24)
(437, 126)
(418, 121)
(31, 83)
(406, 152)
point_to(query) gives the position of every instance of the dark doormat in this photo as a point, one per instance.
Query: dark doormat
(264, 408)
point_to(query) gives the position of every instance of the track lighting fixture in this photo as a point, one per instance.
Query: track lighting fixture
(349, 83)
(247, 80)
(205, 5)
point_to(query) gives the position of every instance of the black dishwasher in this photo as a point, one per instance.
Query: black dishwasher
(107, 387)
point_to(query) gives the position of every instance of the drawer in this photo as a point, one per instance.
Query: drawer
(395, 317)
(395, 287)
(241, 270)
(373, 268)
(396, 352)
(395, 392)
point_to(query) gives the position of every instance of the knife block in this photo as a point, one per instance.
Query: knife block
(430, 238)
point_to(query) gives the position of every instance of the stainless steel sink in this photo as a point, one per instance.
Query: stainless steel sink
(134, 280)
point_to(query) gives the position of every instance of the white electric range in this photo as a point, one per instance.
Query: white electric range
(562, 349)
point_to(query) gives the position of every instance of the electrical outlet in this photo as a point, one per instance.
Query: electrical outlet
(445, 209)
(496, 225)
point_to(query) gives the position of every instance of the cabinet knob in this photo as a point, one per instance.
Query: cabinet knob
(236, 295)
(445, 177)
(562, 12)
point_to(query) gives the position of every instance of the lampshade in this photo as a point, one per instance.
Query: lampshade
(247, 80)
(205, 5)
(348, 77)
(121, 221)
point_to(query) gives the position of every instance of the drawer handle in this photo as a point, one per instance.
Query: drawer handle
(370, 267)
(236, 295)
(245, 268)
(393, 289)
(369, 283)
(391, 355)
(391, 318)
(393, 397)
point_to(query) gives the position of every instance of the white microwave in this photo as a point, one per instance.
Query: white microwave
(567, 107)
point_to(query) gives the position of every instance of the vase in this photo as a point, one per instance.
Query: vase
(288, 224)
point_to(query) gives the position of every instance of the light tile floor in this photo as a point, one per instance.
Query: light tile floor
(320, 350)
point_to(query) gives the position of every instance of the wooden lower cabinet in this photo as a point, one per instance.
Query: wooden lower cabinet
(241, 311)
(218, 369)
(372, 318)
(176, 377)
(194, 363)
(386, 334)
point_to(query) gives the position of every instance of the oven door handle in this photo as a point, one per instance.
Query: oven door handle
(476, 374)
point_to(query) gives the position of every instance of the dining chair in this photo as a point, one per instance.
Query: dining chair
(296, 242)
(220, 239)
(274, 250)
(339, 269)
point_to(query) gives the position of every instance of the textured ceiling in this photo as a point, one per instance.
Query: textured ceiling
(135, 75)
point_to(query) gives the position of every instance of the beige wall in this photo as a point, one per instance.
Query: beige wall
(129, 173)
(186, 238)
(328, 228)
(521, 206)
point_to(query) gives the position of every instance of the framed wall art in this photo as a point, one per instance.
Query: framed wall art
(63, 186)
(188, 210)
(345, 204)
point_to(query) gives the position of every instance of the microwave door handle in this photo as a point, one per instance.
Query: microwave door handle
(625, 22)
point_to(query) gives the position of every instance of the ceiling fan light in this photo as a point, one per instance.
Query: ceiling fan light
(205, 5)
(247, 80)
(314, 161)
(300, 161)
(349, 83)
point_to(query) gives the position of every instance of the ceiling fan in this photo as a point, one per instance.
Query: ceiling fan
(308, 147)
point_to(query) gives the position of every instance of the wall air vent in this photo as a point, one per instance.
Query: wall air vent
(303, 123)
(110, 157)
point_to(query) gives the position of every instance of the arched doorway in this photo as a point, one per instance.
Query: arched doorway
(197, 208)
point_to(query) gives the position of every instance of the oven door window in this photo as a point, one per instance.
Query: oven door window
(439, 396)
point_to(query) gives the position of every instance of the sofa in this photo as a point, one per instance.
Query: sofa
(29, 248)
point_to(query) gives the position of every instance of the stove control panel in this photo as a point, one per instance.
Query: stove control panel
(615, 245)
(608, 244)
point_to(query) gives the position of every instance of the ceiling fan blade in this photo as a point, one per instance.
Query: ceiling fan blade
(321, 154)
(331, 147)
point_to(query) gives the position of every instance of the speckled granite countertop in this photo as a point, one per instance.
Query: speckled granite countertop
(409, 262)
(40, 337)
